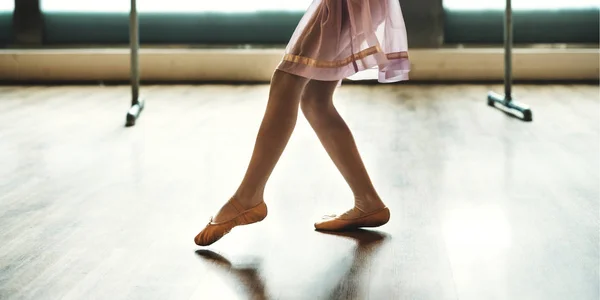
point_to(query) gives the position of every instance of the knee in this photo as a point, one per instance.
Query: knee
(314, 106)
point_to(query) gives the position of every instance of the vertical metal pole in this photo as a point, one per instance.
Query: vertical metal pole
(134, 40)
(137, 104)
(508, 44)
(505, 102)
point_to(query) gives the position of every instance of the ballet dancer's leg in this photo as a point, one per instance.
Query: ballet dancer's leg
(247, 205)
(274, 133)
(334, 134)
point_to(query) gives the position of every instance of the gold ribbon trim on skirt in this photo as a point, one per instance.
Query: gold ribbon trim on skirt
(339, 63)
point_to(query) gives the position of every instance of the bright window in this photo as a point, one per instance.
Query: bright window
(173, 6)
(520, 4)
(7, 5)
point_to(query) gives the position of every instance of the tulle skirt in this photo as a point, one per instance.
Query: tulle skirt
(338, 38)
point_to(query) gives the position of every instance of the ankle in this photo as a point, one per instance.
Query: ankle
(248, 199)
(368, 198)
(367, 203)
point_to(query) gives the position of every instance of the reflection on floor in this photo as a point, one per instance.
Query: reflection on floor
(483, 206)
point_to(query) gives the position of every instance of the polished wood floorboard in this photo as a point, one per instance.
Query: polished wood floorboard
(484, 206)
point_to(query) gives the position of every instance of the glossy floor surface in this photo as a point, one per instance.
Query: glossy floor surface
(484, 206)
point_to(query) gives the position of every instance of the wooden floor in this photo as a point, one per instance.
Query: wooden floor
(484, 206)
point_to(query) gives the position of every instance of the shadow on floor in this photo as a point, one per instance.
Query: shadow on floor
(348, 285)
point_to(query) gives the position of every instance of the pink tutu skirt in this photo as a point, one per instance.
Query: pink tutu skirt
(338, 38)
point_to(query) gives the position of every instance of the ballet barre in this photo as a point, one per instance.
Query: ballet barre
(137, 103)
(506, 101)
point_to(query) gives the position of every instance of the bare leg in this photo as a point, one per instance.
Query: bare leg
(274, 133)
(334, 134)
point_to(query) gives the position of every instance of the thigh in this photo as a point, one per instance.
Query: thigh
(319, 91)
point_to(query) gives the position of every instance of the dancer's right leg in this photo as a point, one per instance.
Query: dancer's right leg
(247, 206)
(334, 134)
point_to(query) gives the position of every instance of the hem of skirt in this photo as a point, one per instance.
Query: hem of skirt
(397, 67)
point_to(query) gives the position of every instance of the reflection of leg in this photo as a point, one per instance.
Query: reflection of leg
(247, 206)
(336, 138)
(354, 283)
(248, 276)
(366, 240)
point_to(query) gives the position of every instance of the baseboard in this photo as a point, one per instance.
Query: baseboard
(257, 65)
